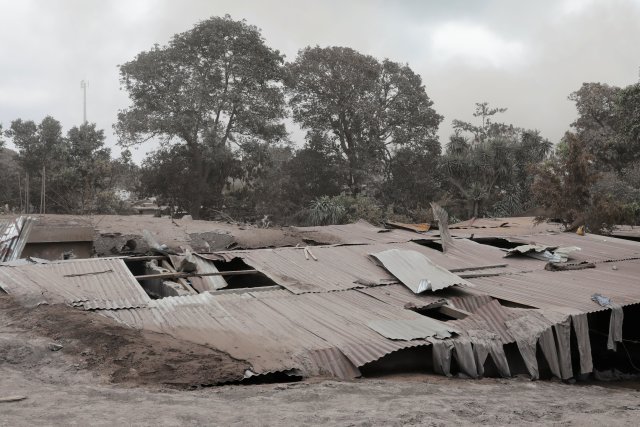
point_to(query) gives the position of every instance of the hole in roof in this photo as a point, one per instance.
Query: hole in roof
(245, 280)
(430, 244)
(496, 242)
(434, 313)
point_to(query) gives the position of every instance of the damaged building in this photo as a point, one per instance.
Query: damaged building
(495, 298)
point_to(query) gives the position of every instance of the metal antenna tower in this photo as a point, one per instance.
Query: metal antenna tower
(83, 85)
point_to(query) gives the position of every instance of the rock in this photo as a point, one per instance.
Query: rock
(12, 398)
(55, 346)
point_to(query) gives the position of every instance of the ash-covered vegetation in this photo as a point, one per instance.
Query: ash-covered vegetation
(222, 102)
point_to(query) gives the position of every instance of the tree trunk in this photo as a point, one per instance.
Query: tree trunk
(198, 184)
(195, 203)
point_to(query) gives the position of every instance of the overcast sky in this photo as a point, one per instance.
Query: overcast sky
(526, 56)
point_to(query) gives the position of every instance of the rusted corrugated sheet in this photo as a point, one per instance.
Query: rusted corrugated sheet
(416, 271)
(489, 317)
(348, 267)
(277, 331)
(91, 284)
(593, 248)
(419, 328)
(14, 234)
(207, 283)
(469, 303)
(566, 289)
(400, 296)
(503, 227)
(627, 231)
(360, 232)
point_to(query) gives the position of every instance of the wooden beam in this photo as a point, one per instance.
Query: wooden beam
(483, 267)
(195, 274)
(143, 258)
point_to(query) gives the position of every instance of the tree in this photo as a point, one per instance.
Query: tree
(489, 173)
(562, 184)
(211, 86)
(366, 108)
(414, 180)
(609, 123)
(315, 170)
(39, 146)
(88, 167)
(167, 173)
(9, 180)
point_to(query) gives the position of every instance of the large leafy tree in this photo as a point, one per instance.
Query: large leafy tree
(41, 150)
(365, 108)
(88, 168)
(608, 123)
(488, 172)
(214, 85)
(76, 167)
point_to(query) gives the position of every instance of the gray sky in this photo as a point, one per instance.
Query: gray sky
(526, 56)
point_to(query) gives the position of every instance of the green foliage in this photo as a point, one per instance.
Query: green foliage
(563, 183)
(326, 210)
(211, 86)
(361, 107)
(346, 209)
(9, 178)
(609, 123)
(489, 174)
(76, 168)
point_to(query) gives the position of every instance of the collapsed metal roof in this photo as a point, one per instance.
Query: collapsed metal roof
(339, 311)
(91, 284)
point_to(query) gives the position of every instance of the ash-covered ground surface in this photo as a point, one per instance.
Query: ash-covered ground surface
(108, 375)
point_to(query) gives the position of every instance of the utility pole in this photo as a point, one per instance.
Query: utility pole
(83, 85)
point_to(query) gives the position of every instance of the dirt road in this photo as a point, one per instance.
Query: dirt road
(72, 399)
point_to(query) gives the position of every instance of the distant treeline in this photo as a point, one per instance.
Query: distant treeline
(217, 97)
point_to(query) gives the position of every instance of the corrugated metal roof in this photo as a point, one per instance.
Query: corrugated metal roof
(489, 317)
(418, 328)
(593, 248)
(14, 234)
(566, 289)
(104, 283)
(360, 232)
(417, 271)
(348, 267)
(207, 283)
(628, 231)
(503, 227)
(400, 296)
(277, 331)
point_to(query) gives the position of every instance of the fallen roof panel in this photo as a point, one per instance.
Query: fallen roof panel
(417, 271)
